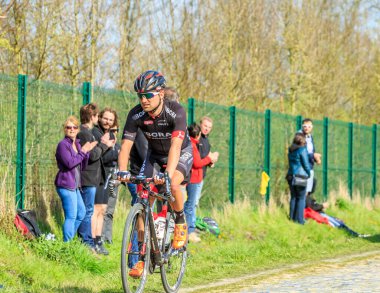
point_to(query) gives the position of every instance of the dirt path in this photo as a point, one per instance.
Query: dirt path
(352, 273)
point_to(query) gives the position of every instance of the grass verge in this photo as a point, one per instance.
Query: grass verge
(252, 239)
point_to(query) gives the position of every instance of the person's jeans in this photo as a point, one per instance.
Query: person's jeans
(310, 182)
(199, 194)
(133, 191)
(84, 230)
(193, 191)
(297, 203)
(74, 210)
(339, 224)
(108, 217)
(133, 259)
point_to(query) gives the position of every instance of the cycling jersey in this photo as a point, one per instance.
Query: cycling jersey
(157, 163)
(159, 130)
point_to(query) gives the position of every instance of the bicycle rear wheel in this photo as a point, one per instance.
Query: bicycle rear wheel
(133, 250)
(173, 270)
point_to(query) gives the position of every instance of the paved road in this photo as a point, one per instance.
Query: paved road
(357, 273)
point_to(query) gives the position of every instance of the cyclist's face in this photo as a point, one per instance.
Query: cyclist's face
(150, 104)
(107, 120)
(206, 127)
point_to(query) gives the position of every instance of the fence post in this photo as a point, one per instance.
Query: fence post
(191, 110)
(326, 156)
(231, 177)
(267, 132)
(299, 122)
(21, 141)
(86, 93)
(374, 149)
(350, 156)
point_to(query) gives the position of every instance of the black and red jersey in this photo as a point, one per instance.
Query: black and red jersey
(159, 130)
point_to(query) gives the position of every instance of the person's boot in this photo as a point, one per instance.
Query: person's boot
(99, 247)
(194, 238)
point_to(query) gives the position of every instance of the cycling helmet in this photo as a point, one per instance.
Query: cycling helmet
(149, 81)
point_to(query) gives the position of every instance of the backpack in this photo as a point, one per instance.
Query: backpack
(207, 224)
(26, 222)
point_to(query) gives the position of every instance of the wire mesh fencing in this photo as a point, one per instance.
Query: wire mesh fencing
(248, 143)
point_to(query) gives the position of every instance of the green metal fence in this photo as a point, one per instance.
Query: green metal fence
(32, 114)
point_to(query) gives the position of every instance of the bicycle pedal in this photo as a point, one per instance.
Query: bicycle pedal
(174, 252)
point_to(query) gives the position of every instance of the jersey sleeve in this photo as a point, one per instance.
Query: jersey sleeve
(180, 125)
(131, 125)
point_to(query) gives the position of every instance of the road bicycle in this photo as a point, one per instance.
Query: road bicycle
(144, 240)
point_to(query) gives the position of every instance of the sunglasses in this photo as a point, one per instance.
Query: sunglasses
(71, 127)
(114, 130)
(147, 95)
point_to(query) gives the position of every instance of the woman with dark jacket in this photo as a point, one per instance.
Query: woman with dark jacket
(71, 160)
(299, 166)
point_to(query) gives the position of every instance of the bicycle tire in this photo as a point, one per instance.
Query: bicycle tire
(173, 270)
(130, 257)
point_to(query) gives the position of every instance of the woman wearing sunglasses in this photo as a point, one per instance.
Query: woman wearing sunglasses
(71, 160)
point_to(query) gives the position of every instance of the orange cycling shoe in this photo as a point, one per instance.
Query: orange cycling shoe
(180, 236)
(137, 270)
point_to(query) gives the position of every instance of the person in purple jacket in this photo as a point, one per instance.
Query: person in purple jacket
(71, 160)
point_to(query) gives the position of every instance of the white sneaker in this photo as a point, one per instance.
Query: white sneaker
(193, 237)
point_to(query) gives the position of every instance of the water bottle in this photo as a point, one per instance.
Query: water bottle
(159, 224)
(160, 228)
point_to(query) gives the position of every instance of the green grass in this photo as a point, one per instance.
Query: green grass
(252, 239)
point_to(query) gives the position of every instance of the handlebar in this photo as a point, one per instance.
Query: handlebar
(141, 179)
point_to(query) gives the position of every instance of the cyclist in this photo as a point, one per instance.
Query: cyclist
(163, 123)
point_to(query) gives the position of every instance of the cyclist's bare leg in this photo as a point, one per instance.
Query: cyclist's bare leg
(140, 228)
(180, 230)
(177, 179)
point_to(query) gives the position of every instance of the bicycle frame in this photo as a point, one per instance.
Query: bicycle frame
(151, 251)
(144, 196)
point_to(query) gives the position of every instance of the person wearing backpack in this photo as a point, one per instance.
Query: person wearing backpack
(71, 159)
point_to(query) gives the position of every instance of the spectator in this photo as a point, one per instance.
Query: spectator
(93, 174)
(136, 159)
(307, 128)
(194, 187)
(204, 149)
(298, 166)
(110, 166)
(316, 211)
(107, 119)
(171, 94)
(71, 160)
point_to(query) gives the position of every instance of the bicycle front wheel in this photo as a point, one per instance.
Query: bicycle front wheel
(135, 248)
(173, 269)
